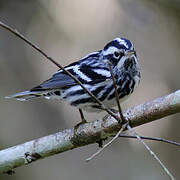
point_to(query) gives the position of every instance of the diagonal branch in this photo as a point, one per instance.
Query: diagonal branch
(124, 126)
(151, 138)
(18, 34)
(131, 130)
(86, 133)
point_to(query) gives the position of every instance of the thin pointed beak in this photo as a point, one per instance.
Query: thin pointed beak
(129, 53)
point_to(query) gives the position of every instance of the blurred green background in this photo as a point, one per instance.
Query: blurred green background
(68, 30)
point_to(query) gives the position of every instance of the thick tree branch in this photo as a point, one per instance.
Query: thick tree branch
(87, 133)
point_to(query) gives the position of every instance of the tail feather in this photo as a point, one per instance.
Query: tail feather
(26, 95)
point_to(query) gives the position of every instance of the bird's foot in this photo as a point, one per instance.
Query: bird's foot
(83, 121)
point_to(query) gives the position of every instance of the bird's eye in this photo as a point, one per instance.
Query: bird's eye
(116, 54)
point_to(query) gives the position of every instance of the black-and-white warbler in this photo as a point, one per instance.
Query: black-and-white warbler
(93, 71)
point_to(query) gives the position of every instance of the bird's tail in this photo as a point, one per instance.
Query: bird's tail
(26, 95)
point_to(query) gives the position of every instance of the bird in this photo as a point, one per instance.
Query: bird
(94, 73)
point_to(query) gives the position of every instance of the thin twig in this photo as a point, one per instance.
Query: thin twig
(18, 34)
(151, 138)
(123, 120)
(121, 115)
(114, 138)
(151, 152)
(116, 91)
(133, 131)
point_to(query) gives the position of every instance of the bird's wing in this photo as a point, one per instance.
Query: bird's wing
(58, 80)
(84, 72)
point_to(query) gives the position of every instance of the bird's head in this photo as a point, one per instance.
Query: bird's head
(120, 52)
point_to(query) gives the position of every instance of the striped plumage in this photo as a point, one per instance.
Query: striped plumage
(93, 72)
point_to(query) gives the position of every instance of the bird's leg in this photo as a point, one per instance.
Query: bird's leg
(83, 121)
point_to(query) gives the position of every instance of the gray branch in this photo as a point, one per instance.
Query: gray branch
(87, 133)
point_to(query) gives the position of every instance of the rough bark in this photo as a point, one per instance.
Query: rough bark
(87, 133)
